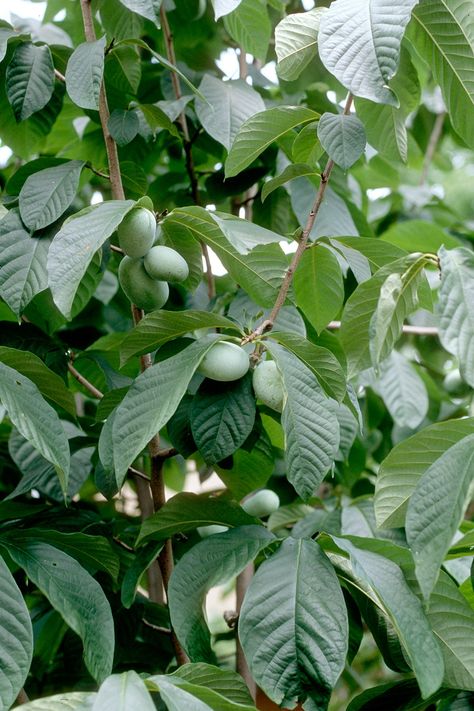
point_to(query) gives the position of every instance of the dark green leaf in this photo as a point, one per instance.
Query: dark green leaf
(29, 79)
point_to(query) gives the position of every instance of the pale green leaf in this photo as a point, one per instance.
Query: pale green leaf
(242, 234)
(342, 137)
(334, 217)
(224, 7)
(249, 25)
(72, 701)
(296, 39)
(150, 9)
(223, 681)
(419, 236)
(123, 692)
(84, 73)
(319, 287)
(403, 391)
(47, 194)
(29, 79)
(118, 21)
(292, 171)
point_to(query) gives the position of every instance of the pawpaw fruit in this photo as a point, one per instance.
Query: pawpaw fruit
(136, 232)
(224, 362)
(143, 291)
(165, 263)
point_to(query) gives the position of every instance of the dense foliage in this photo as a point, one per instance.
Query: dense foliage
(319, 382)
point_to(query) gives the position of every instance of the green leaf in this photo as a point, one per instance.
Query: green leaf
(189, 248)
(456, 294)
(376, 252)
(419, 236)
(7, 33)
(74, 246)
(334, 217)
(319, 287)
(158, 327)
(441, 31)
(309, 421)
(321, 361)
(48, 383)
(243, 234)
(185, 512)
(436, 508)
(47, 194)
(75, 595)
(224, 7)
(29, 79)
(404, 610)
(35, 419)
(150, 9)
(123, 69)
(359, 43)
(342, 137)
(72, 701)
(403, 391)
(84, 73)
(150, 402)
(293, 624)
(157, 119)
(179, 694)
(213, 561)
(223, 681)
(121, 692)
(222, 417)
(260, 131)
(142, 561)
(292, 171)
(296, 39)
(395, 695)
(123, 126)
(249, 25)
(22, 263)
(401, 471)
(118, 21)
(306, 147)
(16, 638)
(228, 104)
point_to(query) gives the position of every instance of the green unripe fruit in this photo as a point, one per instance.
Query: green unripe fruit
(166, 263)
(268, 385)
(206, 531)
(224, 362)
(146, 293)
(262, 503)
(136, 232)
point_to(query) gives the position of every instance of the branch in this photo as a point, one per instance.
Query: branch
(243, 581)
(432, 145)
(414, 330)
(267, 325)
(84, 382)
(22, 697)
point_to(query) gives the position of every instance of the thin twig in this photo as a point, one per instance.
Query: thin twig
(243, 581)
(414, 330)
(95, 392)
(22, 697)
(98, 172)
(59, 76)
(116, 249)
(432, 145)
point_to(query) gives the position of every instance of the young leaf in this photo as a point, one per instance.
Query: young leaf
(319, 287)
(359, 42)
(436, 509)
(29, 79)
(211, 562)
(123, 691)
(47, 194)
(342, 137)
(123, 126)
(84, 72)
(74, 246)
(75, 595)
(260, 131)
(296, 39)
(295, 596)
(16, 638)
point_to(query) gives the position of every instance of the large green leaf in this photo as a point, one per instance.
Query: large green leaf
(16, 638)
(342, 137)
(123, 692)
(407, 462)
(249, 25)
(123, 126)
(293, 624)
(223, 681)
(260, 131)
(35, 419)
(22, 263)
(181, 694)
(291, 172)
(456, 298)
(359, 42)
(161, 326)
(228, 104)
(319, 287)
(442, 32)
(222, 417)
(47, 194)
(211, 562)
(404, 610)
(436, 508)
(395, 695)
(29, 79)
(84, 72)
(118, 21)
(75, 595)
(185, 512)
(143, 560)
(150, 402)
(72, 701)
(189, 248)
(296, 39)
(309, 421)
(403, 391)
(74, 246)
(419, 236)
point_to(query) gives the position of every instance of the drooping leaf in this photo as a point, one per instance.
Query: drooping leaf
(342, 137)
(16, 638)
(334, 217)
(309, 421)
(29, 79)
(150, 9)
(74, 246)
(185, 512)
(84, 73)
(436, 509)
(359, 42)
(228, 104)
(243, 234)
(294, 615)
(407, 462)
(121, 692)
(291, 172)
(211, 562)
(403, 391)
(123, 126)
(47, 194)
(319, 287)
(249, 25)
(260, 131)
(296, 38)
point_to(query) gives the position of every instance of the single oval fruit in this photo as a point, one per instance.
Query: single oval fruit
(268, 385)
(136, 232)
(166, 263)
(206, 531)
(262, 503)
(143, 291)
(224, 362)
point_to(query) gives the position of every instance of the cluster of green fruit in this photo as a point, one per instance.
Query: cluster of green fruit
(145, 270)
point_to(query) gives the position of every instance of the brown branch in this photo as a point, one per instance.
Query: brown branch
(22, 697)
(98, 172)
(414, 330)
(432, 145)
(243, 581)
(84, 382)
